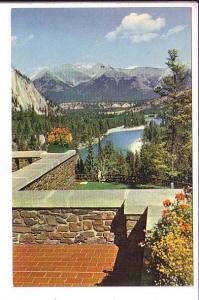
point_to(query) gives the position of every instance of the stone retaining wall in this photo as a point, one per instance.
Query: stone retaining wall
(61, 177)
(69, 226)
(19, 163)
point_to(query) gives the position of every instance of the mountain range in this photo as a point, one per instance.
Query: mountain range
(70, 82)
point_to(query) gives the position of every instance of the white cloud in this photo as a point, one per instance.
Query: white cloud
(137, 28)
(137, 38)
(173, 30)
(21, 41)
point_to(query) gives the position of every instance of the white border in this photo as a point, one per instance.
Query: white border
(6, 289)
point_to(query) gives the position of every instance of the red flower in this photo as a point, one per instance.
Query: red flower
(167, 202)
(180, 196)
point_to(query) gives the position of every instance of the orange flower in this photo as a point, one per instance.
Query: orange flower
(166, 212)
(180, 196)
(180, 221)
(183, 206)
(186, 227)
(167, 202)
(60, 134)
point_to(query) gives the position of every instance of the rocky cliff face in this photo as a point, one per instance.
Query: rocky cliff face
(25, 96)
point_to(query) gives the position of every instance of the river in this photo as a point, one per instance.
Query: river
(123, 139)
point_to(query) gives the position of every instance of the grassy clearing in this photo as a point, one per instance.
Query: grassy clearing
(114, 186)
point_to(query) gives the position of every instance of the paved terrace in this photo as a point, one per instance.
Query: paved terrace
(76, 265)
(62, 265)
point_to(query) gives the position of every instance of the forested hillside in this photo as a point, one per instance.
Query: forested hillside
(84, 125)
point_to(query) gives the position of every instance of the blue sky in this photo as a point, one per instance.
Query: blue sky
(120, 37)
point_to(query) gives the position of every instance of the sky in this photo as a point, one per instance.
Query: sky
(120, 37)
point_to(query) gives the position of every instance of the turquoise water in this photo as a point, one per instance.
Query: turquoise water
(121, 141)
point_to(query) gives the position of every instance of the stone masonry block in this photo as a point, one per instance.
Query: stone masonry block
(88, 234)
(60, 220)
(15, 237)
(26, 238)
(97, 222)
(72, 218)
(36, 228)
(92, 217)
(75, 227)
(28, 214)
(17, 221)
(99, 228)
(55, 211)
(62, 228)
(87, 225)
(67, 241)
(51, 220)
(108, 215)
(42, 236)
(107, 228)
(30, 221)
(21, 229)
(55, 235)
(109, 236)
(69, 235)
(108, 222)
(43, 212)
(99, 234)
(15, 214)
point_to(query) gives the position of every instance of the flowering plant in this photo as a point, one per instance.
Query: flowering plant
(60, 136)
(169, 246)
(167, 202)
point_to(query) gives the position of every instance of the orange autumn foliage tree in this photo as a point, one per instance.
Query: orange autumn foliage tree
(169, 246)
(60, 136)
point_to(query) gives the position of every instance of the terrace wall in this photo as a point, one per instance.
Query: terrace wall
(61, 177)
(71, 226)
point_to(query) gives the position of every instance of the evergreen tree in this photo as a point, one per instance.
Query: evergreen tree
(99, 148)
(121, 164)
(171, 86)
(130, 159)
(137, 166)
(89, 162)
(80, 166)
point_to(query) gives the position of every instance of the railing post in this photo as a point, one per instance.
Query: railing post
(17, 163)
(172, 185)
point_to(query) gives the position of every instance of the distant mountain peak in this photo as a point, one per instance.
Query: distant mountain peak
(81, 82)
